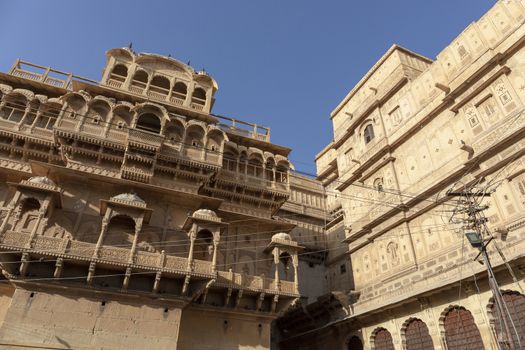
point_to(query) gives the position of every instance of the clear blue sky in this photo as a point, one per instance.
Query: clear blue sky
(280, 63)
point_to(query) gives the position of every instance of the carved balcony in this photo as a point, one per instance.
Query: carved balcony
(145, 140)
(59, 253)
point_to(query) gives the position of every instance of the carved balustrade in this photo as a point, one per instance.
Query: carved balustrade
(144, 139)
(84, 251)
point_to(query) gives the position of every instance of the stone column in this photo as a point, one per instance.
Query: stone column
(216, 238)
(189, 94)
(276, 253)
(207, 103)
(148, 84)
(193, 235)
(131, 72)
(37, 117)
(295, 262)
(103, 230)
(138, 228)
(26, 112)
(10, 209)
(41, 213)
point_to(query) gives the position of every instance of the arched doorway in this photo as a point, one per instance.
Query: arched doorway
(382, 340)
(416, 335)
(461, 332)
(354, 343)
(515, 304)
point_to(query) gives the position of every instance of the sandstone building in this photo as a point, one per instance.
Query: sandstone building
(410, 130)
(134, 218)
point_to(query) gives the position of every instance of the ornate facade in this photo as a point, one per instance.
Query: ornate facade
(409, 131)
(135, 218)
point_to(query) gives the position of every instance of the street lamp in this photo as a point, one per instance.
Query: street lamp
(475, 239)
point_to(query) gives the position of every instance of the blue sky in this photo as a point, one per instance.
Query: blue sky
(283, 64)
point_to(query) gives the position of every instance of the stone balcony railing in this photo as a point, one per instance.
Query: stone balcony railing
(41, 74)
(26, 129)
(144, 139)
(259, 182)
(239, 280)
(159, 262)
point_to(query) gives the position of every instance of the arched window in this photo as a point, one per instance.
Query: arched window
(195, 137)
(382, 340)
(368, 133)
(98, 113)
(159, 87)
(270, 167)
(255, 165)
(149, 122)
(179, 91)
(203, 245)
(118, 75)
(48, 117)
(354, 343)
(29, 211)
(282, 171)
(175, 132)
(416, 336)
(120, 231)
(139, 82)
(461, 332)
(14, 108)
(199, 96)
(215, 141)
(514, 313)
(229, 158)
(121, 119)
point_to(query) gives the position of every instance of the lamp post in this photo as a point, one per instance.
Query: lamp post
(504, 337)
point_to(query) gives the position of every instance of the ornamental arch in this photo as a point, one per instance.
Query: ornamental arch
(514, 315)
(458, 329)
(354, 343)
(415, 335)
(381, 339)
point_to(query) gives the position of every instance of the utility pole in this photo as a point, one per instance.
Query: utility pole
(474, 221)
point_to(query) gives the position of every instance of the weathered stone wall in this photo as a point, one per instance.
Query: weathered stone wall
(66, 321)
(202, 330)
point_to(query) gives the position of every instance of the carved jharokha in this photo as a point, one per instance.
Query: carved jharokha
(131, 186)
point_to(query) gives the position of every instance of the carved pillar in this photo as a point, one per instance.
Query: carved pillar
(193, 235)
(189, 94)
(295, 262)
(276, 253)
(37, 117)
(131, 72)
(216, 238)
(103, 230)
(127, 277)
(26, 112)
(41, 213)
(207, 103)
(58, 268)
(11, 207)
(91, 273)
(204, 150)
(172, 86)
(156, 285)
(138, 228)
(148, 84)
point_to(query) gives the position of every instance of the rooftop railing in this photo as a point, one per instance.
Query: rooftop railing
(242, 128)
(46, 75)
